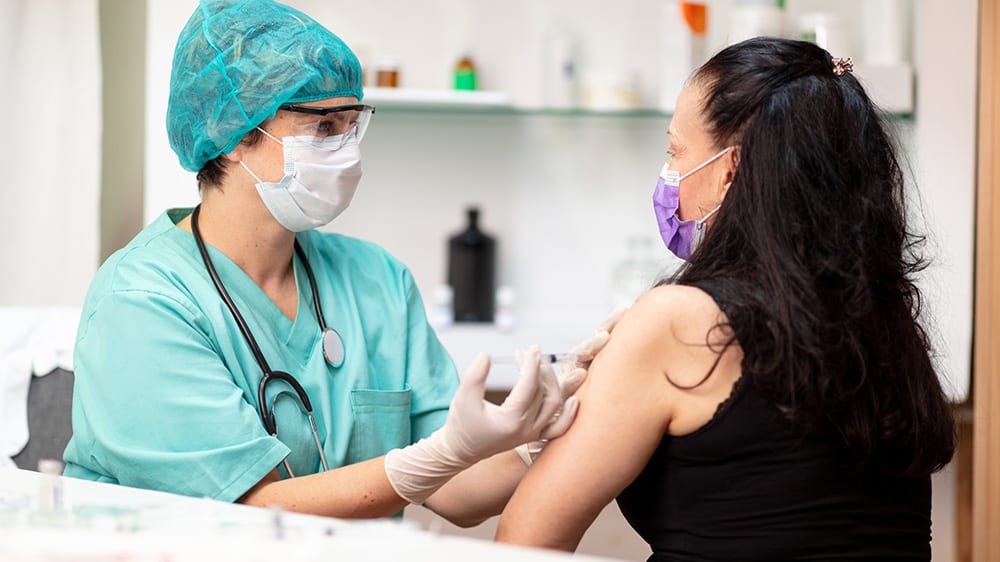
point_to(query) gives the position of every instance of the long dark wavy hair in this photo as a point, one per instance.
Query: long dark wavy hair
(812, 256)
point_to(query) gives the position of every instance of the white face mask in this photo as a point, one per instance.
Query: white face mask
(319, 182)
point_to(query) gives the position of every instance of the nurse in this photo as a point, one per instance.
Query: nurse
(233, 352)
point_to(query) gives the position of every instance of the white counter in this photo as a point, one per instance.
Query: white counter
(108, 522)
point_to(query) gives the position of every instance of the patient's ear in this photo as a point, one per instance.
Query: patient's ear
(731, 161)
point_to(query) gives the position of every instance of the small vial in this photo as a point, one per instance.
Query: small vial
(50, 486)
(278, 522)
(387, 73)
(465, 74)
(50, 508)
(443, 308)
(503, 317)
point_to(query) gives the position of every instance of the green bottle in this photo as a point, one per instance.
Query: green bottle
(465, 74)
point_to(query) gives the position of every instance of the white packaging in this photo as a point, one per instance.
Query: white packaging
(885, 32)
(503, 317)
(828, 30)
(442, 308)
(890, 87)
(560, 83)
(50, 486)
(610, 90)
(682, 51)
(746, 22)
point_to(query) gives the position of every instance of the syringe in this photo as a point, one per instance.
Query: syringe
(545, 358)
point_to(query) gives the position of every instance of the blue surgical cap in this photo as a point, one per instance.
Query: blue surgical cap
(236, 61)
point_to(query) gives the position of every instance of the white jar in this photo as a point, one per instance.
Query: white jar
(828, 30)
(886, 25)
(755, 19)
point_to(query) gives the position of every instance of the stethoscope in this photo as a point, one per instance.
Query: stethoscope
(333, 345)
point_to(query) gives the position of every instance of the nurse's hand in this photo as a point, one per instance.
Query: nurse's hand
(477, 429)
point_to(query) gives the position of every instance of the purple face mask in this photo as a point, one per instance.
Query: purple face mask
(681, 237)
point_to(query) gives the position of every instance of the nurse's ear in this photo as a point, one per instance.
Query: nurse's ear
(249, 140)
(235, 155)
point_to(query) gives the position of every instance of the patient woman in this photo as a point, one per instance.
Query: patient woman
(776, 399)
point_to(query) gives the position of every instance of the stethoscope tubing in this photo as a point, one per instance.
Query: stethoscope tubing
(268, 374)
(244, 328)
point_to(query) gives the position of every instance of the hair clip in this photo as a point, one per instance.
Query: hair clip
(840, 66)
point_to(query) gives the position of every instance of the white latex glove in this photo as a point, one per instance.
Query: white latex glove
(570, 378)
(477, 429)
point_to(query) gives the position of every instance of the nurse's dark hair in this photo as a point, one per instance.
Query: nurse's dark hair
(812, 256)
(211, 174)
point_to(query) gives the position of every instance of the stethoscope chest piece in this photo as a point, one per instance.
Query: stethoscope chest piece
(333, 348)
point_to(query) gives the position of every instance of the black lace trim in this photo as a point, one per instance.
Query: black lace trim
(722, 408)
(724, 405)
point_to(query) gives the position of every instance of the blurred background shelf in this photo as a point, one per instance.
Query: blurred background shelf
(892, 89)
(416, 99)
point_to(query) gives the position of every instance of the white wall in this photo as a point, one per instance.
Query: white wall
(49, 150)
(945, 163)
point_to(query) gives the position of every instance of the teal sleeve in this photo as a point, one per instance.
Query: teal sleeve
(431, 373)
(156, 407)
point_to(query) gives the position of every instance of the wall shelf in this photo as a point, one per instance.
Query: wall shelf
(410, 101)
(413, 99)
(405, 100)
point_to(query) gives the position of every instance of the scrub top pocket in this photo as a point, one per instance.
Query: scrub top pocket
(381, 423)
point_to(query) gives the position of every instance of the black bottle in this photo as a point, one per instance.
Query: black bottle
(471, 267)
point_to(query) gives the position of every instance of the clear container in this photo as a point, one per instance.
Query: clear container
(682, 37)
(504, 317)
(560, 84)
(443, 307)
(755, 19)
(886, 25)
(50, 506)
(828, 30)
(50, 487)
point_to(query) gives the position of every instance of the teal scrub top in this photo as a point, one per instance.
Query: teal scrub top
(165, 395)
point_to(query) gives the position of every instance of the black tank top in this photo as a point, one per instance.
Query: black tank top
(749, 486)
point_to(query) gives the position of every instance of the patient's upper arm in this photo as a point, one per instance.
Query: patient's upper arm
(625, 408)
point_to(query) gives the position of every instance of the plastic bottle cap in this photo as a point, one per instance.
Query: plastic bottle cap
(443, 294)
(50, 466)
(505, 296)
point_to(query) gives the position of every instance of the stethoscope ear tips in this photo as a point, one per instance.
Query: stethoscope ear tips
(333, 348)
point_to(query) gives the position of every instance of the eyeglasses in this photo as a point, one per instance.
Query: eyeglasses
(336, 124)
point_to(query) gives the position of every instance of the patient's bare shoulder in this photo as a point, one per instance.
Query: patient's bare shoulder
(677, 312)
